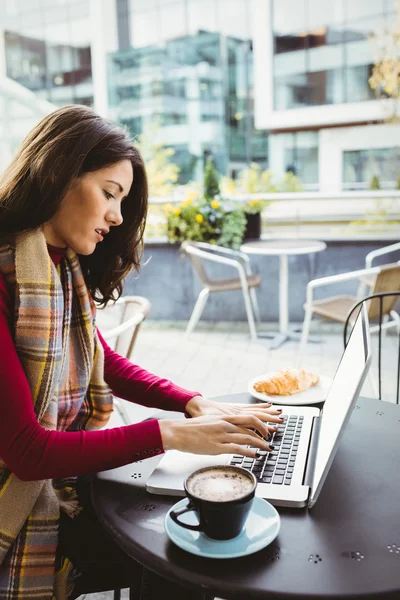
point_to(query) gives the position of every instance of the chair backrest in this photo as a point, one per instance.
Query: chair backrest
(380, 252)
(379, 298)
(387, 280)
(130, 312)
(197, 255)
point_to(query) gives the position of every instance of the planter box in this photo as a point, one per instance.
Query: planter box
(253, 227)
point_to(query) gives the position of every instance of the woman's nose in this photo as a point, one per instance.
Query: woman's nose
(114, 217)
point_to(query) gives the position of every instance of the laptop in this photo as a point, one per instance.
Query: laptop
(304, 445)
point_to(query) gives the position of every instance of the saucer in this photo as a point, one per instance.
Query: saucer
(314, 395)
(261, 528)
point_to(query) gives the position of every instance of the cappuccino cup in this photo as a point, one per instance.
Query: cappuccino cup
(221, 496)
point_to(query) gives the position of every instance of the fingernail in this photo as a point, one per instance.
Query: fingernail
(279, 410)
(271, 447)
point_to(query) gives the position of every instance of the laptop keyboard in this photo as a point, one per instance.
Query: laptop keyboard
(276, 466)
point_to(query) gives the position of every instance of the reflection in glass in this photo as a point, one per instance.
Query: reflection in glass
(48, 50)
(360, 166)
(326, 57)
(298, 152)
(199, 90)
(360, 9)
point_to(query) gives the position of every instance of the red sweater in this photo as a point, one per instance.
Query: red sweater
(32, 452)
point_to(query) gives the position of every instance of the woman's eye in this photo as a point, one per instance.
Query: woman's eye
(108, 195)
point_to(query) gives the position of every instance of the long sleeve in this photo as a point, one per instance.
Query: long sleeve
(32, 452)
(130, 382)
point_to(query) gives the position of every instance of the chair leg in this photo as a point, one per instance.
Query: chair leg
(249, 312)
(117, 594)
(254, 302)
(198, 309)
(304, 333)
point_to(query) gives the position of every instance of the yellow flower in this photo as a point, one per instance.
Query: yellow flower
(215, 204)
(199, 218)
(253, 202)
(177, 212)
(190, 197)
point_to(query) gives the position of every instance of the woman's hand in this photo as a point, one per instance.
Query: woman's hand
(216, 434)
(199, 406)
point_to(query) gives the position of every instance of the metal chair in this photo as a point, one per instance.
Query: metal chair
(201, 253)
(336, 308)
(128, 313)
(367, 281)
(378, 305)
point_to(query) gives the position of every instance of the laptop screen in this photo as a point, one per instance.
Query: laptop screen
(345, 388)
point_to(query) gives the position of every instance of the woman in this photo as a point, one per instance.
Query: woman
(73, 208)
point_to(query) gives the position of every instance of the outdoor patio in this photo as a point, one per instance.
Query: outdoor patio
(219, 358)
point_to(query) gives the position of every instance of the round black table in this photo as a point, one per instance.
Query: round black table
(347, 546)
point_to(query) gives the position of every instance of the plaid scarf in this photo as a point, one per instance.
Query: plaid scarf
(56, 341)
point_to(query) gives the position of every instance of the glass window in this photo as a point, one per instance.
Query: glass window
(321, 13)
(172, 19)
(360, 9)
(233, 18)
(356, 83)
(291, 91)
(289, 42)
(143, 5)
(364, 29)
(145, 27)
(202, 15)
(360, 166)
(289, 16)
(298, 153)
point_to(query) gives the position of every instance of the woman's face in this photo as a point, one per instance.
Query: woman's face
(90, 208)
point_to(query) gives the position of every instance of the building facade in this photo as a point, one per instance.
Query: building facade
(283, 83)
(180, 69)
(46, 47)
(184, 71)
(313, 59)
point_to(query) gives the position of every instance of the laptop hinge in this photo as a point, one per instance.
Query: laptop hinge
(312, 450)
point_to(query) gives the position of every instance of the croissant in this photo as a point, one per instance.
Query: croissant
(286, 382)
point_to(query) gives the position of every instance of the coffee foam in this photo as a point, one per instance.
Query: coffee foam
(220, 485)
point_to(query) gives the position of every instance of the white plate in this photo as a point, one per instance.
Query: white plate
(315, 394)
(261, 528)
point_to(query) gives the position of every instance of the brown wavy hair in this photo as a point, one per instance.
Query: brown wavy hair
(66, 144)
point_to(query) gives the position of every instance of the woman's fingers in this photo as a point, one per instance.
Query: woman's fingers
(238, 449)
(268, 418)
(247, 439)
(249, 422)
(265, 413)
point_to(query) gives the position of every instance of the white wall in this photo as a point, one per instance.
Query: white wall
(314, 116)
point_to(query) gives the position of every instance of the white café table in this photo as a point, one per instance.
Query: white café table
(283, 248)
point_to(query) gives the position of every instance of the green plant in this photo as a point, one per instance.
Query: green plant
(375, 183)
(204, 217)
(290, 183)
(211, 183)
(215, 222)
(252, 207)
